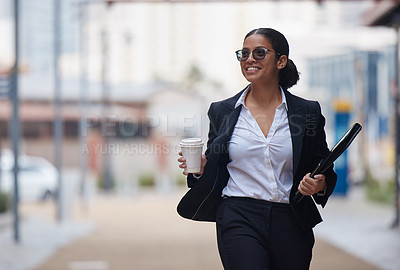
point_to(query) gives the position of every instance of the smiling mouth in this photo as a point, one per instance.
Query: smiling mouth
(252, 68)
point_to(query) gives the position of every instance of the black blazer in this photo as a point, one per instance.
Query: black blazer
(306, 125)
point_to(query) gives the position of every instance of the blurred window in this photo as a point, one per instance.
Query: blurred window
(3, 129)
(71, 129)
(36, 130)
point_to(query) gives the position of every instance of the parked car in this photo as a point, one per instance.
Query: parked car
(37, 177)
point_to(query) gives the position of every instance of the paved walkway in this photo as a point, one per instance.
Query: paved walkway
(145, 233)
(362, 229)
(39, 240)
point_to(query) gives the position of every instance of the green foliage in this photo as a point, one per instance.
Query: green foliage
(181, 180)
(101, 183)
(5, 202)
(147, 180)
(195, 74)
(380, 191)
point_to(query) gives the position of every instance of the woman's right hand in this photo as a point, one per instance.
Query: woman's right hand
(182, 160)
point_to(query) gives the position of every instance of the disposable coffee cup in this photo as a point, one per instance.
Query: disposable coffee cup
(192, 149)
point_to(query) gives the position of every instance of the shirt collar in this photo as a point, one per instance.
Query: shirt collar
(242, 97)
(283, 98)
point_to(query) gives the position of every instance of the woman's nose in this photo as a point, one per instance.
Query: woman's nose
(250, 59)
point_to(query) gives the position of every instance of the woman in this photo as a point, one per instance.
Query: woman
(262, 145)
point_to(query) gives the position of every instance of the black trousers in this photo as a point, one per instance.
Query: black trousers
(259, 235)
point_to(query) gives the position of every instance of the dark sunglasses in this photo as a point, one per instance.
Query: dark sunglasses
(258, 54)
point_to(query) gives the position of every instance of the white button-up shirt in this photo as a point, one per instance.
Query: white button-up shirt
(261, 167)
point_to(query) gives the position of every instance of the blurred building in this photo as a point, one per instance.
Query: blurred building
(386, 13)
(366, 81)
(135, 67)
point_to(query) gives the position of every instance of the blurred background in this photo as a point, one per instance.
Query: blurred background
(96, 95)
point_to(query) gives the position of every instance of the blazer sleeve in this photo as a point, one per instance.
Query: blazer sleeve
(322, 151)
(212, 133)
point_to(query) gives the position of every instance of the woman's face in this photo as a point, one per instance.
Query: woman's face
(261, 70)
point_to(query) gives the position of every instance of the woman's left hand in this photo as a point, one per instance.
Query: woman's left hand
(309, 186)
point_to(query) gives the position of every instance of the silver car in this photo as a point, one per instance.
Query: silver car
(37, 177)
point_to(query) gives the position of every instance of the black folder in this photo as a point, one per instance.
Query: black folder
(336, 151)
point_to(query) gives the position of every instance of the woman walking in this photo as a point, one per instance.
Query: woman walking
(262, 145)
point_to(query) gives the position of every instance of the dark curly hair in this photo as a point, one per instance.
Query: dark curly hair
(288, 76)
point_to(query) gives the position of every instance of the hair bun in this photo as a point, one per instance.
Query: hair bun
(288, 76)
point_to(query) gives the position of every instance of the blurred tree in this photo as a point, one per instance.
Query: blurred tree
(193, 77)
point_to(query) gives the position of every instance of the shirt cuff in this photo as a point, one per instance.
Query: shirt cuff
(322, 192)
(196, 176)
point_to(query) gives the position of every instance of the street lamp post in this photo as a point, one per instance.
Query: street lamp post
(397, 120)
(84, 103)
(107, 177)
(58, 123)
(14, 126)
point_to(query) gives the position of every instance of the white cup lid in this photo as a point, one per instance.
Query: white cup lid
(191, 142)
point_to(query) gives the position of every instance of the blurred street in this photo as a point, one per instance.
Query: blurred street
(145, 232)
(102, 92)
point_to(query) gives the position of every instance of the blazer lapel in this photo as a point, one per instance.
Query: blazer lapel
(231, 115)
(297, 126)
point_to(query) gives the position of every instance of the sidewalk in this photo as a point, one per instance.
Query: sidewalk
(40, 238)
(145, 233)
(362, 228)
